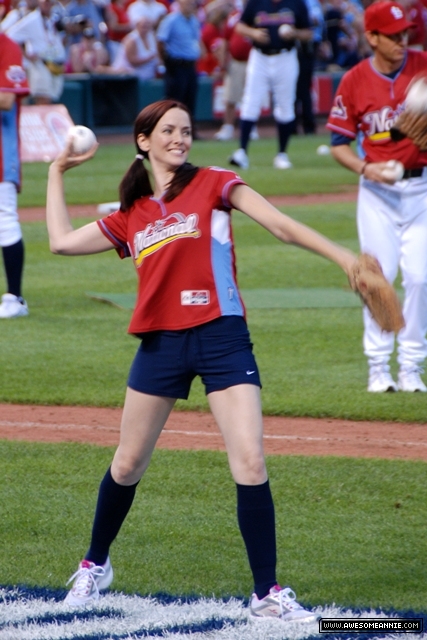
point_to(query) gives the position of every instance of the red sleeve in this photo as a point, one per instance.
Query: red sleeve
(114, 227)
(226, 180)
(12, 75)
(342, 117)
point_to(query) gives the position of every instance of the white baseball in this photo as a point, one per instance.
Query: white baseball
(323, 150)
(285, 30)
(83, 139)
(393, 170)
(416, 98)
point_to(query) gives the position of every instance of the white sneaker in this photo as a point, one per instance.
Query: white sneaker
(89, 580)
(380, 380)
(254, 135)
(12, 307)
(239, 159)
(409, 380)
(281, 161)
(279, 603)
(225, 133)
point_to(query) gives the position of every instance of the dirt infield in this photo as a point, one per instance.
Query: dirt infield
(194, 430)
(188, 430)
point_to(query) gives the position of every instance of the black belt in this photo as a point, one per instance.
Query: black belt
(412, 173)
(181, 62)
(272, 52)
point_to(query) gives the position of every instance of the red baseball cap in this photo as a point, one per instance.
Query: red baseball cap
(386, 17)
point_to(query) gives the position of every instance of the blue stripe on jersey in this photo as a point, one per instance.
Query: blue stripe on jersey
(222, 265)
(226, 287)
(10, 145)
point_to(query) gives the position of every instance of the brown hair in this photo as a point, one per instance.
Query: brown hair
(136, 181)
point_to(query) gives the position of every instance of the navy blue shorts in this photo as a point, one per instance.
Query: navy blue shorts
(220, 352)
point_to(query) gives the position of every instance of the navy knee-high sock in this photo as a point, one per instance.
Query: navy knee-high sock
(255, 514)
(245, 132)
(285, 130)
(13, 258)
(114, 502)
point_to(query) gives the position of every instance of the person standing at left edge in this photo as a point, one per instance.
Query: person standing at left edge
(13, 85)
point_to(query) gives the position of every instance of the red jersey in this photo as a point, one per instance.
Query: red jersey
(238, 46)
(212, 37)
(183, 252)
(121, 17)
(12, 80)
(368, 103)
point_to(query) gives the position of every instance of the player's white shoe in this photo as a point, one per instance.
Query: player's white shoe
(225, 133)
(254, 135)
(410, 380)
(281, 161)
(12, 307)
(89, 580)
(279, 603)
(240, 159)
(380, 380)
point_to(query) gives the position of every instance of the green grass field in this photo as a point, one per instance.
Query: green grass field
(349, 531)
(74, 350)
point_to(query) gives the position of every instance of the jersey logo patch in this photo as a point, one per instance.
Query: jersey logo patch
(194, 297)
(16, 74)
(162, 232)
(338, 109)
(379, 123)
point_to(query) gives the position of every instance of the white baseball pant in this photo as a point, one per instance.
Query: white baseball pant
(278, 74)
(10, 229)
(392, 226)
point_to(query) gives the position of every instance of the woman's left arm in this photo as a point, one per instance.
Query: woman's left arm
(289, 230)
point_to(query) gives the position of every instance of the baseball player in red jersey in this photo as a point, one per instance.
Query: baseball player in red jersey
(191, 321)
(13, 85)
(391, 217)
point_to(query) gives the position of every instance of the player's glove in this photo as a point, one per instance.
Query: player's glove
(377, 293)
(411, 125)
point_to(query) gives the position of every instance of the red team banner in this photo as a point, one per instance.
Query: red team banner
(43, 131)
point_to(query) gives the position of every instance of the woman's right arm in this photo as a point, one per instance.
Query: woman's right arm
(63, 239)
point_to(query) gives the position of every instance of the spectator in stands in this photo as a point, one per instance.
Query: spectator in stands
(44, 52)
(138, 53)
(342, 33)
(118, 25)
(12, 12)
(307, 54)
(178, 38)
(89, 55)
(213, 58)
(415, 12)
(150, 9)
(237, 52)
(79, 15)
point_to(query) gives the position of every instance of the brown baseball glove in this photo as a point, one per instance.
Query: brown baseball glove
(377, 293)
(411, 125)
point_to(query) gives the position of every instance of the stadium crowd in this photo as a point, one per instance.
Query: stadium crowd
(139, 37)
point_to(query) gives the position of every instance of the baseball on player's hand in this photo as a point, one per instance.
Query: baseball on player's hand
(285, 31)
(82, 138)
(416, 98)
(393, 170)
